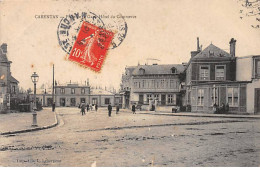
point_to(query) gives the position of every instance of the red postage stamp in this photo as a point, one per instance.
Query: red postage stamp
(91, 46)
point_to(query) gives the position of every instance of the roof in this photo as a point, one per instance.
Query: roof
(13, 80)
(158, 69)
(212, 51)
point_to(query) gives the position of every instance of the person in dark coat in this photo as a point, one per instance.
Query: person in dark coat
(133, 109)
(117, 109)
(96, 107)
(83, 109)
(53, 107)
(87, 107)
(109, 108)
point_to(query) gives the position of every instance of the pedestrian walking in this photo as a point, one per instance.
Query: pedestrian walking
(87, 107)
(53, 107)
(117, 109)
(83, 109)
(133, 109)
(96, 107)
(109, 107)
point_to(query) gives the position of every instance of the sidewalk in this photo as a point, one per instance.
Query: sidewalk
(12, 123)
(190, 114)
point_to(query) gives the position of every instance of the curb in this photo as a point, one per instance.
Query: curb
(34, 129)
(213, 116)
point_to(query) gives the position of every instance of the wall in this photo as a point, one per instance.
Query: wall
(244, 68)
(251, 95)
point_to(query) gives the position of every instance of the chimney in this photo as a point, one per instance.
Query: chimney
(198, 44)
(87, 82)
(4, 48)
(194, 53)
(232, 44)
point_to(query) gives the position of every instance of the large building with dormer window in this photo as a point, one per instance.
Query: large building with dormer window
(211, 79)
(156, 84)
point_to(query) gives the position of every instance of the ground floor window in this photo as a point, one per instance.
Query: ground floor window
(94, 101)
(200, 97)
(171, 98)
(232, 96)
(82, 100)
(49, 101)
(214, 96)
(149, 96)
(107, 100)
(72, 102)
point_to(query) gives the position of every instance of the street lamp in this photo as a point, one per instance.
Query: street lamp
(35, 79)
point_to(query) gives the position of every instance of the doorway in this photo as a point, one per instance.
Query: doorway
(62, 102)
(163, 99)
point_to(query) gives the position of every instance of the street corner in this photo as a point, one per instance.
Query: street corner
(13, 123)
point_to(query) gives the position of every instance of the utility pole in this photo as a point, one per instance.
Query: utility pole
(53, 102)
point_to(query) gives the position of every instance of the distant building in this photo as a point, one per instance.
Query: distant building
(152, 84)
(8, 84)
(72, 94)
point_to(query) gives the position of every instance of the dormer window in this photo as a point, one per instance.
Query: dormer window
(173, 70)
(141, 71)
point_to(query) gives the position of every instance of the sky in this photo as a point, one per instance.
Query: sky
(166, 30)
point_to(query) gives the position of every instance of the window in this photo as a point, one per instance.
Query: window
(220, 73)
(189, 97)
(214, 96)
(72, 91)
(173, 70)
(171, 98)
(200, 97)
(162, 83)
(153, 83)
(139, 84)
(149, 96)
(257, 68)
(72, 102)
(232, 96)
(204, 73)
(135, 84)
(62, 90)
(141, 71)
(107, 100)
(82, 100)
(143, 84)
(82, 91)
(14, 90)
(171, 83)
(156, 96)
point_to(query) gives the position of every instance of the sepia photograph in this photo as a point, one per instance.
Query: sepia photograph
(120, 83)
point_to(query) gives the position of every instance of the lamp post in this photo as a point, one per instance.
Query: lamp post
(35, 79)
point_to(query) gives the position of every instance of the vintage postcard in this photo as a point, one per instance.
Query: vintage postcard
(141, 83)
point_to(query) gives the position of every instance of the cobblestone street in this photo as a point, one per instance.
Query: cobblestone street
(126, 139)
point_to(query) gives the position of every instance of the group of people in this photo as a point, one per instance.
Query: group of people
(87, 107)
(222, 109)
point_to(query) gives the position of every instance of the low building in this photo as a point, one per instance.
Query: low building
(72, 94)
